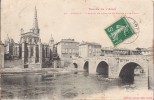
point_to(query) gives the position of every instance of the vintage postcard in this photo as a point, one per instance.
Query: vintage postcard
(76, 50)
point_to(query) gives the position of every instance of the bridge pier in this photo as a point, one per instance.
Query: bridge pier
(80, 64)
(112, 75)
(113, 66)
(92, 66)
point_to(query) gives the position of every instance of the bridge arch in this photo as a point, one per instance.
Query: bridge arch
(102, 68)
(75, 65)
(129, 70)
(86, 66)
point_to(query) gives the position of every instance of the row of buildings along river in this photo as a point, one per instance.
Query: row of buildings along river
(30, 52)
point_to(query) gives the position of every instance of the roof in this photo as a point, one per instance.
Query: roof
(67, 41)
(107, 48)
(89, 43)
(145, 49)
(30, 34)
(114, 48)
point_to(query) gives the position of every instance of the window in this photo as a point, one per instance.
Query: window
(31, 51)
(89, 47)
(63, 50)
(69, 50)
(66, 51)
(46, 52)
(16, 51)
(93, 50)
(90, 51)
(72, 50)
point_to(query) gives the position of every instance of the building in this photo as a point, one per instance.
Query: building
(66, 50)
(89, 49)
(125, 51)
(33, 51)
(30, 50)
(146, 51)
(106, 51)
(119, 51)
(12, 49)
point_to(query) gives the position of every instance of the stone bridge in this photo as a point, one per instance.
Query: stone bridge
(115, 66)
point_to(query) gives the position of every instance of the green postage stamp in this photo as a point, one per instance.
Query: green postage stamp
(119, 31)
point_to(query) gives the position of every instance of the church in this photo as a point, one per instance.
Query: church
(30, 50)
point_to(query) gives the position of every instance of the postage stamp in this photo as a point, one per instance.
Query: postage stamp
(119, 31)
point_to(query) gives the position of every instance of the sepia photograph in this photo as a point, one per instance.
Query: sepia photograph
(76, 50)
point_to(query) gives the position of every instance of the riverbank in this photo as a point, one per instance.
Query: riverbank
(43, 70)
(117, 94)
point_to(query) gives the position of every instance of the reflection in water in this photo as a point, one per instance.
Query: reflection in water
(49, 77)
(37, 86)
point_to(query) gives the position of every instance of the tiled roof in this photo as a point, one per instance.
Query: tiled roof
(90, 43)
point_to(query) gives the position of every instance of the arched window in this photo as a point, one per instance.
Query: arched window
(16, 51)
(46, 52)
(32, 51)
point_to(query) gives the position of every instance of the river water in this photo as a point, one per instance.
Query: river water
(62, 86)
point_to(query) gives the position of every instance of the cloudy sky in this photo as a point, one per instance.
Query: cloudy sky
(69, 19)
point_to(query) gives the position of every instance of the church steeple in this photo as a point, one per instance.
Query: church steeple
(35, 23)
(51, 43)
(51, 40)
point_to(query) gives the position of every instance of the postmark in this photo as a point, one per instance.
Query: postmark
(136, 29)
(121, 30)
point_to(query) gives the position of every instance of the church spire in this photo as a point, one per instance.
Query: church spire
(51, 41)
(35, 24)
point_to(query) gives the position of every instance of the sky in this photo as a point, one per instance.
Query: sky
(70, 19)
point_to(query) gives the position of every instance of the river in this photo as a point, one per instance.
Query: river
(62, 86)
